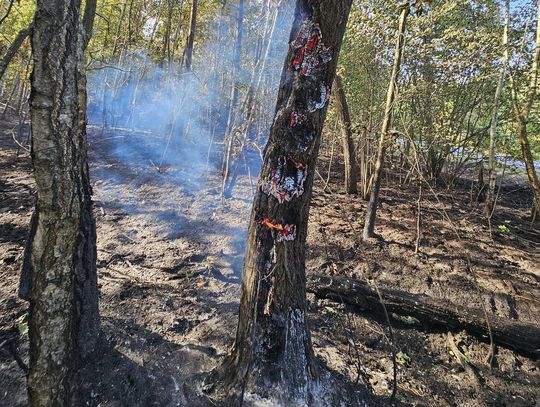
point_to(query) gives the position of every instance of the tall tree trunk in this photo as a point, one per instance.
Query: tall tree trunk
(64, 320)
(371, 211)
(492, 174)
(238, 49)
(522, 118)
(166, 50)
(237, 134)
(351, 172)
(272, 355)
(119, 30)
(236, 67)
(529, 164)
(13, 48)
(191, 36)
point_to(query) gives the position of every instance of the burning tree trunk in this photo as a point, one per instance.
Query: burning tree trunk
(371, 212)
(522, 118)
(492, 175)
(272, 355)
(351, 177)
(64, 321)
(191, 36)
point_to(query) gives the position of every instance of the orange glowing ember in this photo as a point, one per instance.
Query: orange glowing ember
(268, 223)
(284, 232)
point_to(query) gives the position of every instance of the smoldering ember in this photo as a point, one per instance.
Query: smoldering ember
(269, 203)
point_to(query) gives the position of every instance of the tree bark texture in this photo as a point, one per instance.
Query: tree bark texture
(64, 320)
(272, 355)
(371, 211)
(349, 156)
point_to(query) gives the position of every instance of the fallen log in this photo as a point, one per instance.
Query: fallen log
(430, 312)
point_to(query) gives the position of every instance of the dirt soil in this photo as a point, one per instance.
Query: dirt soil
(170, 257)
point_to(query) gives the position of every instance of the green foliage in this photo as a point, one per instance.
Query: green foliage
(448, 77)
(19, 17)
(22, 324)
(160, 28)
(408, 320)
(402, 359)
(451, 62)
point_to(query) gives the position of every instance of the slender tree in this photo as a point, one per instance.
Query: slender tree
(245, 117)
(236, 60)
(371, 212)
(13, 48)
(522, 115)
(191, 35)
(88, 20)
(349, 156)
(492, 174)
(272, 355)
(64, 321)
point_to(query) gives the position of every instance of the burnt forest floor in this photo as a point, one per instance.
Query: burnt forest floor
(169, 263)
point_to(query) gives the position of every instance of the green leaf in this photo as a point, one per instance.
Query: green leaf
(403, 359)
(409, 320)
(330, 310)
(22, 324)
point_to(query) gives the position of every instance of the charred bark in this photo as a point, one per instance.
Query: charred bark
(349, 156)
(64, 320)
(431, 312)
(371, 211)
(272, 356)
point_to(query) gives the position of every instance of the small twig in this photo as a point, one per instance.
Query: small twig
(326, 188)
(129, 238)
(418, 221)
(19, 143)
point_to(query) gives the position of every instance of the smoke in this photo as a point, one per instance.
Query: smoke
(170, 123)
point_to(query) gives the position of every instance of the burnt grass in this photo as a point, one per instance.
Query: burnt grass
(169, 263)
